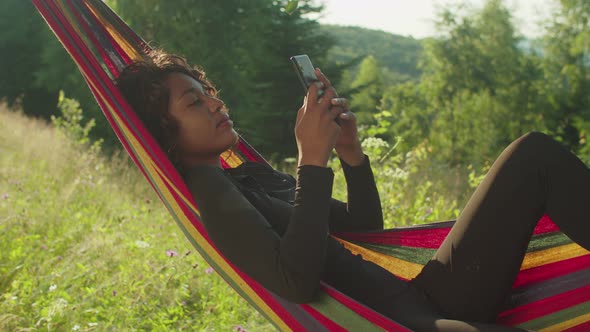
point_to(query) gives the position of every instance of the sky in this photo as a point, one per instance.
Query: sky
(415, 17)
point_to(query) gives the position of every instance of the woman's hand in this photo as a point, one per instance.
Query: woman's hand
(316, 130)
(348, 146)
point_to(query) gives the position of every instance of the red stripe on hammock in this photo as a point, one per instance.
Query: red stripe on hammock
(544, 307)
(545, 226)
(428, 237)
(250, 152)
(365, 312)
(325, 321)
(224, 164)
(551, 270)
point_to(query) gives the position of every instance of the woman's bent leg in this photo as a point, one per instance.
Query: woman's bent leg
(474, 269)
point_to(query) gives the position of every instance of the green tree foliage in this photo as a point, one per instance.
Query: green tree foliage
(479, 83)
(406, 108)
(21, 45)
(58, 71)
(244, 47)
(369, 85)
(35, 67)
(566, 66)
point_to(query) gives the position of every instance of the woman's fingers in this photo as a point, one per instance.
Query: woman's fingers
(348, 116)
(312, 94)
(326, 99)
(322, 77)
(342, 102)
(335, 112)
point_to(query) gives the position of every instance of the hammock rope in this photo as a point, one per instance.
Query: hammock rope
(551, 293)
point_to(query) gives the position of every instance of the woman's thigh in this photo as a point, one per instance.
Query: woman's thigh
(474, 269)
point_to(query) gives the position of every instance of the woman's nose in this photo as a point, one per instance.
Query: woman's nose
(215, 104)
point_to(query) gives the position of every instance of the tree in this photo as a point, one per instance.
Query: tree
(566, 65)
(409, 114)
(36, 67)
(368, 87)
(21, 44)
(479, 57)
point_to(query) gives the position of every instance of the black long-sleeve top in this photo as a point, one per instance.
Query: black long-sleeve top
(287, 248)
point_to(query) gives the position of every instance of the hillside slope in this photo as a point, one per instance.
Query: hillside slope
(397, 53)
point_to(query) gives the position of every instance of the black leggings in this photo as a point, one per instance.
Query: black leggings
(465, 284)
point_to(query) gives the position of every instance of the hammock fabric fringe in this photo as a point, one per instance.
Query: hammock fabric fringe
(551, 292)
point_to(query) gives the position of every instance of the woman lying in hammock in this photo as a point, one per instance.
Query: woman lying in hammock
(285, 245)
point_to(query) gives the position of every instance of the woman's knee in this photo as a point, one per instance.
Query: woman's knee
(531, 148)
(535, 142)
(535, 138)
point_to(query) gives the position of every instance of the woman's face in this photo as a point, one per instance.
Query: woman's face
(205, 130)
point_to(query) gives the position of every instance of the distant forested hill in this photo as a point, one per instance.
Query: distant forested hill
(397, 53)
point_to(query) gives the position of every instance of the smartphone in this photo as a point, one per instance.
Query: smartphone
(305, 71)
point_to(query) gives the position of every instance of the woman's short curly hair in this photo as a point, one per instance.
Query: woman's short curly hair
(143, 85)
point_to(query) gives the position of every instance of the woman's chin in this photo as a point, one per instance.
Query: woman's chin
(236, 137)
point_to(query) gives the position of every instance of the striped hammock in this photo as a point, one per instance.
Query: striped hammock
(551, 293)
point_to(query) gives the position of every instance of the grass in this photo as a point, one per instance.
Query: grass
(85, 245)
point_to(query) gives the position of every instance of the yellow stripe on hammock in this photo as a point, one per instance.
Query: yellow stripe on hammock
(399, 267)
(409, 270)
(567, 324)
(552, 255)
(151, 168)
(130, 51)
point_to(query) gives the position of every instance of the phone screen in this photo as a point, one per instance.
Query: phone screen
(304, 69)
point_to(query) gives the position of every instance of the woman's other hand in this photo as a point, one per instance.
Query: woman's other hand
(316, 130)
(348, 146)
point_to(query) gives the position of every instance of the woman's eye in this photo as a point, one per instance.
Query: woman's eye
(195, 102)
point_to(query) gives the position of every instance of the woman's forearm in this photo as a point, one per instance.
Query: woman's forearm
(363, 211)
(352, 155)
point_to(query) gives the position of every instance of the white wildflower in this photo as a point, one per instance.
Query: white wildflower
(142, 244)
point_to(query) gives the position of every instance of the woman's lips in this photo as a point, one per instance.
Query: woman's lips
(225, 122)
